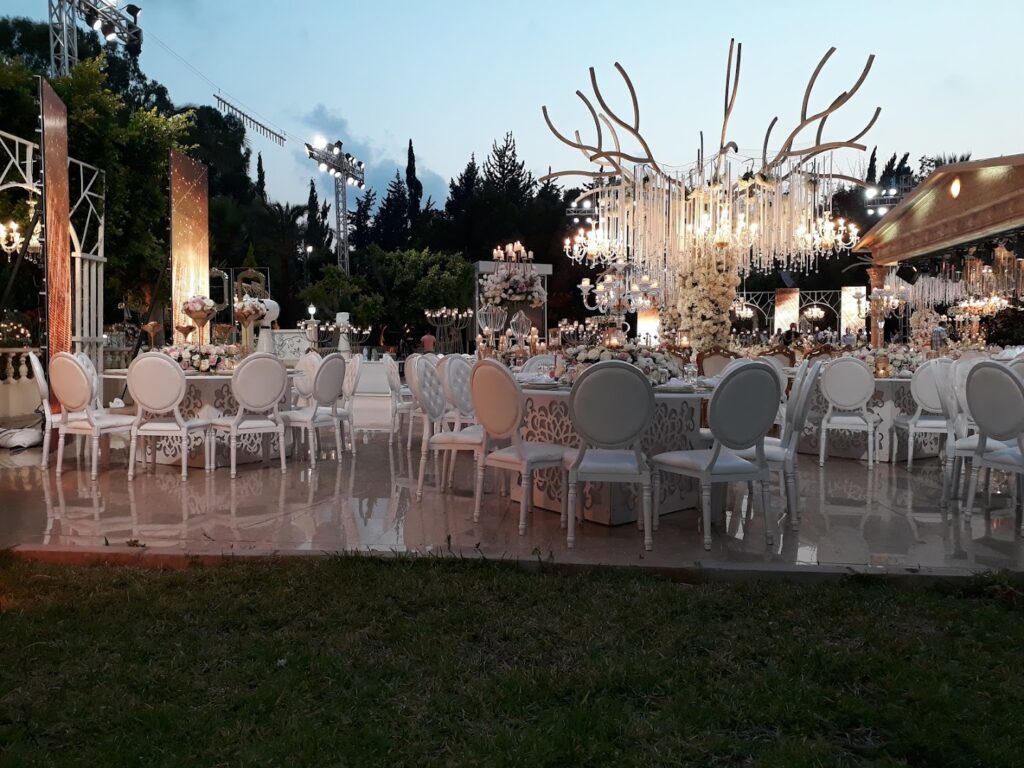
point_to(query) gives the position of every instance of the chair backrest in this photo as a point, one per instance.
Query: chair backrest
(156, 383)
(925, 388)
(71, 383)
(442, 373)
(945, 383)
(744, 405)
(431, 389)
(90, 369)
(825, 350)
(352, 369)
(411, 363)
(306, 369)
(460, 371)
(611, 405)
(961, 370)
(40, 377)
(711, 361)
(996, 398)
(497, 399)
(847, 383)
(329, 382)
(1017, 365)
(394, 377)
(785, 356)
(801, 400)
(774, 363)
(433, 358)
(259, 382)
(533, 365)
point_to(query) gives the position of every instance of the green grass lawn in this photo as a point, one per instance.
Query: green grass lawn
(358, 661)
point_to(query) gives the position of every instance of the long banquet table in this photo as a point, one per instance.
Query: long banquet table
(207, 396)
(675, 426)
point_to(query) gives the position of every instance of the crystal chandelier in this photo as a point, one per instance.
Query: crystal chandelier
(618, 291)
(591, 248)
(741, 310)
(11, 239)
(828, 236)
(814, 313)
(982, 306)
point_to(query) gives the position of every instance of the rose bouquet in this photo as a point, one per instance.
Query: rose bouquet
(250, 310)
(200, 309)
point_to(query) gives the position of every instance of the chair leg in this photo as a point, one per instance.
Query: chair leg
(524, 501)
(705, 504)
(437, 472)
(564, 517)
(769, 516)
(95, 456)
(478, 487)
(60, 451)
(184, 456)
(281, 451)
(352, 433)
(792, 499)
(871, 447)
(208, 443)
(988, 486)
(338, 445)
(947, 476)
(648, 522)
(131, 455)
(656, 499)
(972, 487)
(821, 445)
(311, 436)
(47, 433)
(408, 442)
(570, 531)
(423, 465)
(234, 455)
(910, 450)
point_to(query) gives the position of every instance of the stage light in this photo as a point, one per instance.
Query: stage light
(92, 19)
(882, 210)
(871, 211)
(322, 167)
(108, 31)
(319, 142)
(133, 10)
(870, 192)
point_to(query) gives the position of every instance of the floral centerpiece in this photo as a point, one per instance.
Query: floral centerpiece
(658, 365)
(204, 358)
(706, 294)
(200, 309)
(514, 287)
(249, 311)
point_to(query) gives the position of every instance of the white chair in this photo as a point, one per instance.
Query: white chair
(323, 410)
(848, 385)
(258, 385)
(353, 369)
(157, 386)
(535, 363)
(411, 363)
(49, 422)
(781, 452)
(1017, 365)
(90, 369)
(436, 434)
(499, 406)
(610, 406)
(741, 412)
(996, 397)
(459, 373)
(73, 387)
(400, 405)
(302, 382)
(927, 417)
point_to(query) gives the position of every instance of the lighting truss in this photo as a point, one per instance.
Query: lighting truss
(113, 23)
(331, 159)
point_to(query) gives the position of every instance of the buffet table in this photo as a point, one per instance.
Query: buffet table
(675, 426)
(207, 396)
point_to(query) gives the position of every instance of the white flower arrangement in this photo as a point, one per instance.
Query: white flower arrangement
(197, 305)
(659, 366)
(706, 292)
(203, 358)
(514, 287)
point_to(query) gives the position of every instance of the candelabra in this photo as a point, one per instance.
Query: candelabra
(449, 328)
(591, 248)
(618, 292)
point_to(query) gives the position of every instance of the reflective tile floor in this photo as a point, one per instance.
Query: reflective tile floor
(888, 519)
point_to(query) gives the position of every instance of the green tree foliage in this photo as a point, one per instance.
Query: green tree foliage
(872, 174)
(391, 225)
(414, 187)
(261, 178)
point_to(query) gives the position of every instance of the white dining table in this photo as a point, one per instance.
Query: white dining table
(207, 396)
(675, 426)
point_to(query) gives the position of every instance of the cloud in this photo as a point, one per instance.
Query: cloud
(380, 165)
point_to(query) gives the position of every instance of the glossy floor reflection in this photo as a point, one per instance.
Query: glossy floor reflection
(887, 518)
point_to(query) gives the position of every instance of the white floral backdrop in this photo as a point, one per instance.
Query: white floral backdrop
(706, 293)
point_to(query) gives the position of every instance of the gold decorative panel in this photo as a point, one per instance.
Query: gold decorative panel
(56, 219)
(787, 308)
(190, 233)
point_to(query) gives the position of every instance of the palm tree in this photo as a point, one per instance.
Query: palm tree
(284, 236)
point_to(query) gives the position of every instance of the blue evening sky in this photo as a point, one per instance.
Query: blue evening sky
(454, 75)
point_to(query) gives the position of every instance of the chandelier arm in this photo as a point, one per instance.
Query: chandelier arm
(634, 130)
(805, 121)
(593, 114)
(730, 101)
(767, 135)
(589, 174)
